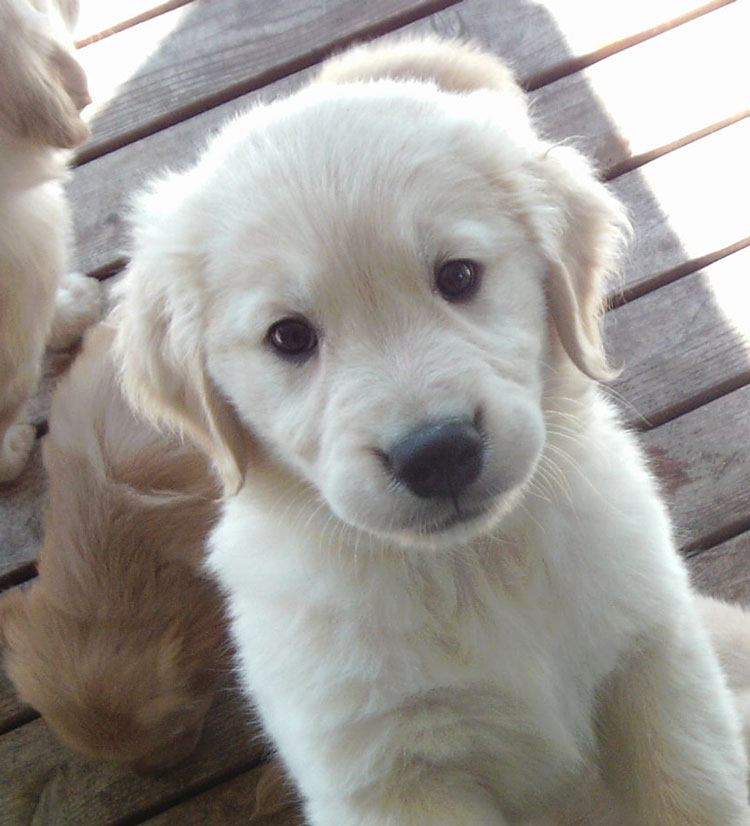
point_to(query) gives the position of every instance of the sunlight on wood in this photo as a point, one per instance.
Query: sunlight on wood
(98, 16)
(586, 24)
(703, 189)
(110, 62)
(679, 83)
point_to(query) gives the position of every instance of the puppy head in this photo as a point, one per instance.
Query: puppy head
(115, 688)
(44, 88)
(367, 283)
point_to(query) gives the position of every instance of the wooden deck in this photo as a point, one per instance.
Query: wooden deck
(656, 91)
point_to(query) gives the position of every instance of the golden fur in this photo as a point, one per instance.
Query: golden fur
(120, 640)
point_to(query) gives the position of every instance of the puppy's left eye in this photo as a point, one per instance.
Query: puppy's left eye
(292, 337)
(457, 280)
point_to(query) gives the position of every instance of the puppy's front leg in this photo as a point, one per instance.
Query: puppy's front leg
(670, 742)
(78, 305)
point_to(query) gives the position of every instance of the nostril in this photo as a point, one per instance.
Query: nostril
(422, 475)
(438, 459)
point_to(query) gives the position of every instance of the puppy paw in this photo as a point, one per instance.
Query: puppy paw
(78, 305)
(15, 450)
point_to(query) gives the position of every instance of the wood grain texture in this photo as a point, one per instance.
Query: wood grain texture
(702, 461)
(21, 521)
(255, 798)
(219, 49)
(44, 784)
(724, 571)
(13, 712)
(683, 344)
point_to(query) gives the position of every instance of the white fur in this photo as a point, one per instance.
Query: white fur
(41, 91)
(412, 674)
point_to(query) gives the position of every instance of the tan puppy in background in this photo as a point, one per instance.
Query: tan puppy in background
(42, 90)
(452, 582)
(120, 640)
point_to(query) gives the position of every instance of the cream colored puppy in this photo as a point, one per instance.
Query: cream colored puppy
(42, 91)
(453, 585)
(729, 629)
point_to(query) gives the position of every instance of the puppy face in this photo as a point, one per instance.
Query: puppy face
(369, 275)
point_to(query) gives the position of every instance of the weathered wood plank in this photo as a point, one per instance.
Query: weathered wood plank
(214, 51)
(547, 40)
(647, 99)
(724, 571)
(683, 344)
(702, 460)
(12, 711)
(686, 206)
(46, 785)
(112, 62)
(21, 521)
(231, 804)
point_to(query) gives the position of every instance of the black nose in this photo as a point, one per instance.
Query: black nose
(439, 459)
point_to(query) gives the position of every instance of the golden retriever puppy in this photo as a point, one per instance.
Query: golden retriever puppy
(452, 583)
(120, 640)
(42, 91)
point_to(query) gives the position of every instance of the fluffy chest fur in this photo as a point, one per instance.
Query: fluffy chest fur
(490, 654)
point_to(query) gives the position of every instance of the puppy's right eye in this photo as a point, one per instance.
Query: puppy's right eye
(292, 337)
(458, 279)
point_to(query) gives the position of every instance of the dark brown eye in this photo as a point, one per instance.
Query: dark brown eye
(292, 337)
(457, 280)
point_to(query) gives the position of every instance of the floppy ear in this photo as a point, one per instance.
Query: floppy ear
(581, 228)
(44, 87)
(159, 340)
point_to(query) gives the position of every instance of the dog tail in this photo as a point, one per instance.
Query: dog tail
(452, 65)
